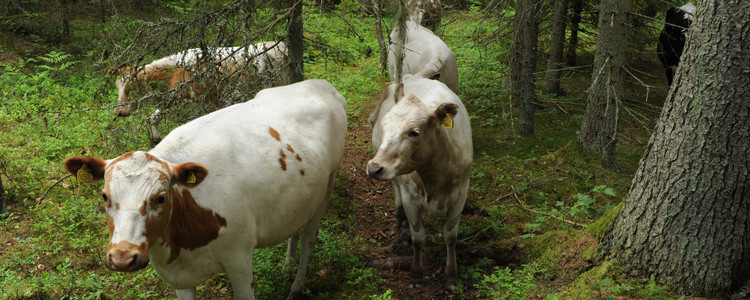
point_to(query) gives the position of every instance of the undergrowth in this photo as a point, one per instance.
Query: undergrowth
(532, 197)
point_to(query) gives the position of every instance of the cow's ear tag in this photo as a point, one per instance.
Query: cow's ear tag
(191, 178)
(447, 121)
(84, 174)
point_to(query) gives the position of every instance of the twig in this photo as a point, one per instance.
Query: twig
(39, 201)
(523, 205)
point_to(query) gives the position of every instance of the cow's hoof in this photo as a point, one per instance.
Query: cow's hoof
(451, 289)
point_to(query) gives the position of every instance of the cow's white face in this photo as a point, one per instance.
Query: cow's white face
(124, 87)
(139, 195)
(410, 130)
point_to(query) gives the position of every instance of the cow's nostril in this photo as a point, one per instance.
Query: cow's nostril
(133, 261)
(374, 171)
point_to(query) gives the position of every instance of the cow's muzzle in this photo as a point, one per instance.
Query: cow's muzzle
(375, 170)
(126, 257)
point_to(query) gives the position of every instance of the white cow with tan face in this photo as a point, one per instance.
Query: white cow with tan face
(174, 71)
(425, 55)
(424, 147)
(248, 176)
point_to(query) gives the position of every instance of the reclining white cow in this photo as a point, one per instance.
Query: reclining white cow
(174, 71)
(424, 147)
(247, 176)
(425, 55)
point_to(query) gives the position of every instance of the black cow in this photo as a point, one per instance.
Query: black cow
(672, 37)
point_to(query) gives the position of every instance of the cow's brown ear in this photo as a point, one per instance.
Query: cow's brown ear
(444, 114)
(85, 168)
(399, 94)
(189, 174)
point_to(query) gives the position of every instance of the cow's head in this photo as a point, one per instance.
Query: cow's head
(124, 86)
(410, 135)
(139, 193)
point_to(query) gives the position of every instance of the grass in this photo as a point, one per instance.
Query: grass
(54, 105)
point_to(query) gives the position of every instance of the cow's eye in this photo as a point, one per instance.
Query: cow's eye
(104, 196)
(413, 133)
(161, 199)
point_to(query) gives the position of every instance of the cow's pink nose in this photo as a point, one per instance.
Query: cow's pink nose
(126, 259)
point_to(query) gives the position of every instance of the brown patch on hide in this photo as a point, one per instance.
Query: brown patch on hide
(275, 134)
(282, 163)
(282, 154)
(155, 225)
(289, 148)
(298, 157)
(191, 226)
(110, 226)
(419, 189)
(302, 172)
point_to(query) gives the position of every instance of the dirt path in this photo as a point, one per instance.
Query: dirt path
(375, 209)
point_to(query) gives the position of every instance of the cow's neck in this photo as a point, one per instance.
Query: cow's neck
(439, 172)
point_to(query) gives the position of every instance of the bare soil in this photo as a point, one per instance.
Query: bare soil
(376, 212)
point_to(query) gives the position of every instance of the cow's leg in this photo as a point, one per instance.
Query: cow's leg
(402, 224)
(239, 269)
(154, 120)
(186, 294)
(412, 204)
(308, 237)
(291, 255)
(450, 234)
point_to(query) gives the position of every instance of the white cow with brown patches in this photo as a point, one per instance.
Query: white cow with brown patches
(248, 176)
(174, 71)
(423, 146)
(425, 55)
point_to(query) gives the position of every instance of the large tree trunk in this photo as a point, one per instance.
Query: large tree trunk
(295, 37)
(556, 47)
(686, 221)
(575, 22)
(598, 133)
(523, 62)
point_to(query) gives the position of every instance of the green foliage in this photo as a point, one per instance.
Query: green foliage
(506, 283)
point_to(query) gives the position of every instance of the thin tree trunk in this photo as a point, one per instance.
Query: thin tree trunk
(381, 41)
(686, 220)
(3, 210)
(295, 33)
(575, 21)
(598, 134)
(557, 45)
(523, 62)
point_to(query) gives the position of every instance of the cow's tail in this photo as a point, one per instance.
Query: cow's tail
(433, 68)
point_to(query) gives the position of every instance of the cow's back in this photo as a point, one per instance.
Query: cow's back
(425, 55)
(269, 159)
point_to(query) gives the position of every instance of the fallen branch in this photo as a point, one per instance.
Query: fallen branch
(523, 205)
(39, 201)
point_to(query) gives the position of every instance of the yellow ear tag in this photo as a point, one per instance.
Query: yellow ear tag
(191, 178)
(84, 175)
(447, 121)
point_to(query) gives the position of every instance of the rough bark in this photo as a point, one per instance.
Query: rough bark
(295, 41)
(575, 21)
(685, 221)
(598, 134)
(523, 62)
(381, 41)
(556, 47)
